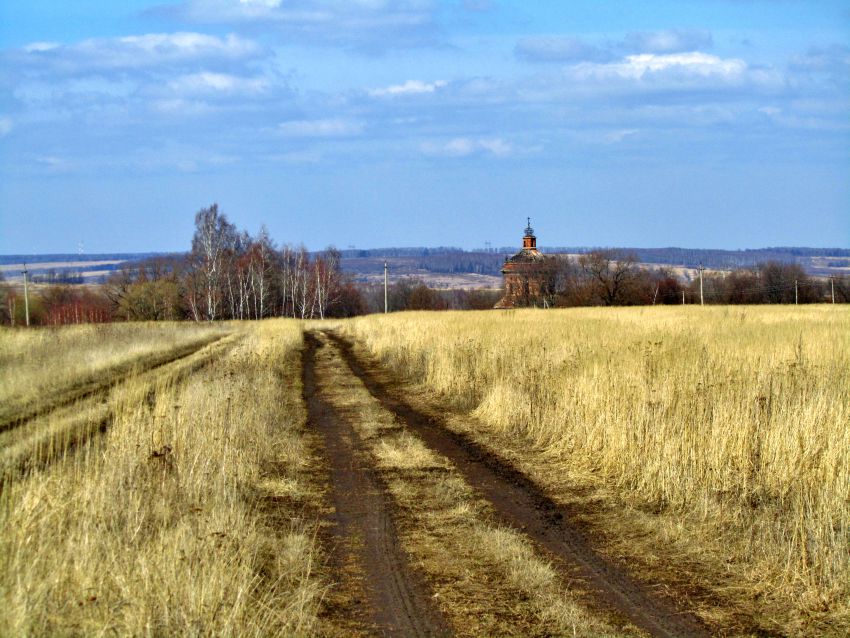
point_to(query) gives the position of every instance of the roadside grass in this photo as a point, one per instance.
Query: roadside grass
(185, 518)
(44, 439)
(486, 578)
(40, 365)
(718, 436)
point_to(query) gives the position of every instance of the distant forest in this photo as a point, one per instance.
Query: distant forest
(451, 260)
(489, 262)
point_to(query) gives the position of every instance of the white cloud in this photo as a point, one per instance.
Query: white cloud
(268, 4)
(208, 82)
(561, 48)
(615, 137)
(496, 146)
(138, 51)
(636, 67)
(558, 49)
(834, 58)
(373, 25)
(411, 87)
(36, 47)
(5, 126)
(465, 146)
(668, 41)
(53, 163)
(321, 128)
(179, 106)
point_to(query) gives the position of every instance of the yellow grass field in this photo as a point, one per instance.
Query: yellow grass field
(731, 423)
(178, 479)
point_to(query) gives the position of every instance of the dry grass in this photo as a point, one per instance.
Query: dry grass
(732, 423)
(42, 440)
(39, 363)
(181, 519)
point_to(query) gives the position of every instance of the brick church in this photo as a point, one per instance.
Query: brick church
(528, 276)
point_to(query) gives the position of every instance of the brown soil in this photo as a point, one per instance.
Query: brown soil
(376, 590)
(522, 505)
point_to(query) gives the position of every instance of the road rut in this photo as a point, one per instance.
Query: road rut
(385, 594)
(521, 504)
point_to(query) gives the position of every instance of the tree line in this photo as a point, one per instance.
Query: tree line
(616, 278)
(231, 274)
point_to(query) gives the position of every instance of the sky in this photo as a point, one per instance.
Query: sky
(376, 123)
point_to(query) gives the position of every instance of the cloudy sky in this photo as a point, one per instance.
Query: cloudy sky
(698, 123)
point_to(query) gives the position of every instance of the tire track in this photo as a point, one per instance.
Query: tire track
(364, 548)
(13, 417)
(78, 433)
(522, 505)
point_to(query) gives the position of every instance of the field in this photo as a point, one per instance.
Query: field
(587, 472)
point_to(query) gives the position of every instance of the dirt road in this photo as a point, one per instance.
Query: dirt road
(396, 599)
(376, 588)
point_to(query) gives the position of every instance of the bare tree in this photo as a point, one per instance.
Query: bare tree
(301, 289)
(610, 274)
(327, 268)
(262, 260)
(214, 237)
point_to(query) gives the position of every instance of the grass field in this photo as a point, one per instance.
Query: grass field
(732, 424)
(169, 479)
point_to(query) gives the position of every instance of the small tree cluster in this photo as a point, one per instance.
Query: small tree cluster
(613, 278)
(769, 283)
(229, 274)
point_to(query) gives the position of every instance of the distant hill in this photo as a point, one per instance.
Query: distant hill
(73, 257)
(816, 261)
(445, 261)
(69, 267)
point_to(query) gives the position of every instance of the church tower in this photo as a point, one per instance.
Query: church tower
(527, 275)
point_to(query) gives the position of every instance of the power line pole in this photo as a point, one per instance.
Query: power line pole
(796, 296)
(386, 305)
(683, 297)
(26, 295)
(832, 285)
(701, 299)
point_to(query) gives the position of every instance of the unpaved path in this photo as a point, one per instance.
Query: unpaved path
(29, 445)
(376, 589)
(13, 416)
(522, 505)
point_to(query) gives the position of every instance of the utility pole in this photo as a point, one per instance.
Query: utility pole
(701, 299)
(26, 295)
(683, 297)
(832, 285)
(386, 305)
(796, 296)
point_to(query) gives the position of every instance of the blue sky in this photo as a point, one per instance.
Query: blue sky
(697, 123)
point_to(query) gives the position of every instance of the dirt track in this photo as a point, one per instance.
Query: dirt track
(13, 416)
(74, 433)
(375, 588)
(398, 601)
